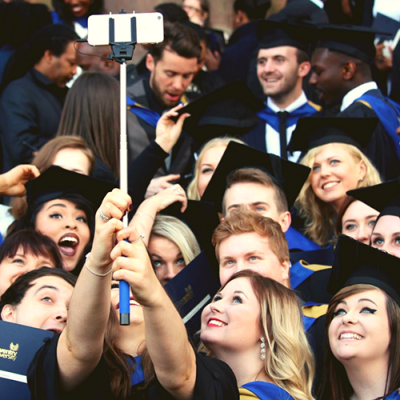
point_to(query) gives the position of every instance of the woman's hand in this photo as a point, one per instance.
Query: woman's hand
(167, 197)
(167, 130)
(132, 264)
(12, 183)
(108, 223)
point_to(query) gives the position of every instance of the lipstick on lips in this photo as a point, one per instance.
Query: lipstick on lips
(214, 322)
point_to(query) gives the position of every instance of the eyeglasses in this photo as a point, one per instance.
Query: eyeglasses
(190, 8)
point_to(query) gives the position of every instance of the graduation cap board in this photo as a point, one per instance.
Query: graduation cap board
(311, 132)
(202, 219)
(272, 34)
(384, 197)
(18, 345)
(355, 41)
(56, 181)
(230, 109)
(288, 175)
(192, 289)
(357, 263)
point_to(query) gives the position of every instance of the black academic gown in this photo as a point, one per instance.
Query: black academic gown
(380, 148)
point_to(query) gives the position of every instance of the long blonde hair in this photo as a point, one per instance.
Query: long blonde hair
(320, 216)
(193, 190)
(176, 231)
(289, 362)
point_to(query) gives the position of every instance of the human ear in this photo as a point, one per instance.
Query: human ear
(348, 70)
(8, 313)
(304, 69)
(362, 170)
(285, 270)
(150, 64)
(285, 219)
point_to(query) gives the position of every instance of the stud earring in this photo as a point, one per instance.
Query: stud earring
(262, 348)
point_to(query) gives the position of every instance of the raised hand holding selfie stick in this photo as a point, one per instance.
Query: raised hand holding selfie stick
(124, 32)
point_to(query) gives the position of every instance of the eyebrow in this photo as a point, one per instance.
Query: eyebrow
(161, 258)
(354, 220)
(367, 300)
(359, 301)
(46, 287)
(57, 205)
(239, 291)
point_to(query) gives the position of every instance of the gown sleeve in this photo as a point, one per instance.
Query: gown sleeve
(44, 382)
(214, 381)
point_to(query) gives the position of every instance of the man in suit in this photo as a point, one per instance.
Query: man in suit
(282, 64)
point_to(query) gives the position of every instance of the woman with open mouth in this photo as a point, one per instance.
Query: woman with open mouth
(243, 325)
(61, 205)
(362, 325)
(333, 149)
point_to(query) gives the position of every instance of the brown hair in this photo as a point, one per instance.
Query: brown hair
(44, 159)
(339, 222)
(335, 384)
(247, 222)
(91, 111)
(120, 370)
(179, 39)
(255, 175)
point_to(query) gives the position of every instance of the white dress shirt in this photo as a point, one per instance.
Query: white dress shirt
(355, 93)
(272, 137)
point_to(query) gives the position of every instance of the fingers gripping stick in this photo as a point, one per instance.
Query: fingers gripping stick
(125, 296)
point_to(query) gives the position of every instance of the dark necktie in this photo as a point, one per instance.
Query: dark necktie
(282, 133)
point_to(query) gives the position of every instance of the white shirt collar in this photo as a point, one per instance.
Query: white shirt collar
(355, 93)
(318, 3)
(302, 99)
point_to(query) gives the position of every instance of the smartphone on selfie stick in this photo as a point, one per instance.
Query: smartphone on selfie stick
(122, 32)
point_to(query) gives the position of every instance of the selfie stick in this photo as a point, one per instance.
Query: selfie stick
(121, 53)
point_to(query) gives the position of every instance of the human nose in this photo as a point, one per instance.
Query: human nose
(61, 314)
(70, 223)
(363, 235)
(178, 83)
(216, 306)
(170, 272)
(325, 170)
(349, 319)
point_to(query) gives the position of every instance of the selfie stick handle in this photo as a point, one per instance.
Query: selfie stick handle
(121, 53)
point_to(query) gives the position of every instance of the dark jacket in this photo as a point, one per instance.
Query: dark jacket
(30, 111)
(380, 148)
(141, 133)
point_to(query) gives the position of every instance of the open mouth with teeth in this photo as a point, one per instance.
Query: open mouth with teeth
(68, 244)
(329, 185)
(216, 322)
(350, 336)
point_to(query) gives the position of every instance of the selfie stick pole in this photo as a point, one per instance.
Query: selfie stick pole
(121, 53)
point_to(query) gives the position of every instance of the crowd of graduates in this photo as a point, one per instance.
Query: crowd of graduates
(263, 172)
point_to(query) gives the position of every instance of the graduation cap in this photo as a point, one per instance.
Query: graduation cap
(272, 34)
(202, 219)
(287, 175)
(384, 197)
(230, 109)
(355, 41)
(312, 132)
(56, 182)
(356, 263)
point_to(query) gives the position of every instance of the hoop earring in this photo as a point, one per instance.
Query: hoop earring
(262, 348)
